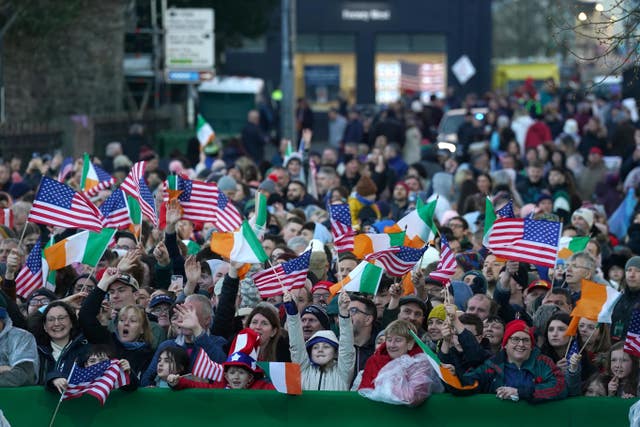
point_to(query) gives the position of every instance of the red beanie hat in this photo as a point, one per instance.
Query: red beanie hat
(516, 326)
(403, 185)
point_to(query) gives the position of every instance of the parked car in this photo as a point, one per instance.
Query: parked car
(450, 123)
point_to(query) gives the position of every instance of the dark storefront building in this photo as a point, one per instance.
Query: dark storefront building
(365, 49)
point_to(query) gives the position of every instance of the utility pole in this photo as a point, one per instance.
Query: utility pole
(287, 113)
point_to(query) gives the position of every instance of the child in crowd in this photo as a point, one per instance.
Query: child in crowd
(173, 360)
(317, 357)
(399, 372)
(622, 373)
(240, 371)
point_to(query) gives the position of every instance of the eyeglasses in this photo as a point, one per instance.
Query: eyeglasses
(454, 225)
(58, 319)
(160, 310)
(523, 341)
(576, 266)
(355, 310)
(320, 297)
(39, 301)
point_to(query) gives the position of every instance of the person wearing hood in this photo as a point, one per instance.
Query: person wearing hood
(317, 356)
(18, 352)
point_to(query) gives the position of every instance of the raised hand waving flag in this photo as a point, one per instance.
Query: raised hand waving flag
(197, 198)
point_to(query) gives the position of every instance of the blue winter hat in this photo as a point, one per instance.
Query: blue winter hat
(161, 299)
(322, 336)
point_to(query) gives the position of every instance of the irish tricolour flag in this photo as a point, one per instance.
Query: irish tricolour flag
(445, 375)
(205, 132)
(570, 245)
(240, 246)
(85, 247)
(419, 223)
(285, 377)
(94, 179)
(596, 303)
(365, 244)
(365, 279)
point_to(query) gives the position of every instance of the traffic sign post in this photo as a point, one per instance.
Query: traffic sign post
(189, 45)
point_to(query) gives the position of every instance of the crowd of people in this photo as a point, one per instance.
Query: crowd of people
(156, 299)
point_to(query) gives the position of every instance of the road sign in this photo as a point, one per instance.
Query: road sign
(463, 69)
(189, 45)
(192, 77)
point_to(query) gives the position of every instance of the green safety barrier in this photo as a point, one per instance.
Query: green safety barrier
(33, 406)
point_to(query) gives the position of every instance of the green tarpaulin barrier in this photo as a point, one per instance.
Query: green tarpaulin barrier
(32, 406)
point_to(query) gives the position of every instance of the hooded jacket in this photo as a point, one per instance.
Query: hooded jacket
(336, 377)
(19, 351)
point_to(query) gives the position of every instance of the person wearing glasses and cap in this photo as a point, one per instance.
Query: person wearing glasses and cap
(518, 372)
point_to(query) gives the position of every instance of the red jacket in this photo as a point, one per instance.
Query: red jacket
(187, 383)
(537, 134)
(377, 362)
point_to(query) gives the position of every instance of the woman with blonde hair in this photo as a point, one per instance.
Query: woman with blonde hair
(132, 337)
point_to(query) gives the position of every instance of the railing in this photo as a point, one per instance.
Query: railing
(33, 406)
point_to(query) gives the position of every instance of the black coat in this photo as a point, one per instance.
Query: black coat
(253, 141)
(50, 369)
(138, 357)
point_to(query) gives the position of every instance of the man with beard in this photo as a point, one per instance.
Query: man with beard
(491, 270)
(326, 179)
(400, 201)
(297, 196)
(363, 314)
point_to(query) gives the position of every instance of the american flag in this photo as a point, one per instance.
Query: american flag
(65, 169)
(30, 276)
(136, 186)
(573, 348)
(632, 342)
(409, 76)
(227, 217)
(288, 275)
(204, 367)
(197, 198)
(59, 205)
(506, 211)
(6, 217)
(97, 380)
(341, 228)
(104, 181)
(447, 265)
(525, 240)
(397, 260)
(115, 210)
